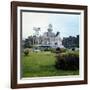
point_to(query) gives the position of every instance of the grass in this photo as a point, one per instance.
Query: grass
(41, 64)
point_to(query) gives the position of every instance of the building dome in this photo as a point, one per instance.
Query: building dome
(50, 28)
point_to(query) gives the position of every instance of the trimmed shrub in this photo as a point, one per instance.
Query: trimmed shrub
(46, 49)
(58, 50)
(68, 61)
(53, 50)
(26, 51)
(63, 50)
(73, 49)
(50, 49)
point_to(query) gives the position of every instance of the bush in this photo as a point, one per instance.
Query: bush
(50, 49)
(68, 61)
(63, 50)
(53, 50)
(26, 51)
(58, 50)
(46, 49)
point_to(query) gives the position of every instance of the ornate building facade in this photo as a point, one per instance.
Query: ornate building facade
(47, 39)
(50, 39)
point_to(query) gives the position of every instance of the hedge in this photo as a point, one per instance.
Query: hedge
(67, 61)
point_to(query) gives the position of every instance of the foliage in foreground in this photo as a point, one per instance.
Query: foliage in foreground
(26, 51)
(68, 61)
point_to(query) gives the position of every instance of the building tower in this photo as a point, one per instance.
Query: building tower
(36, 29)
(50, 28)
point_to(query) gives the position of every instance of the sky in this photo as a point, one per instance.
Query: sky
(66, 24)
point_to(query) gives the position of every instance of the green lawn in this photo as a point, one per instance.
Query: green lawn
(41, 64)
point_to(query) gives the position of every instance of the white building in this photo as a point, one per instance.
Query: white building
(51, 39)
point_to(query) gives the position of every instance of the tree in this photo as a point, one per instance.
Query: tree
(26, 43)
(71, 42)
